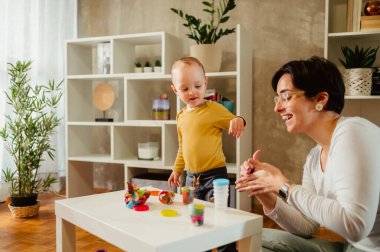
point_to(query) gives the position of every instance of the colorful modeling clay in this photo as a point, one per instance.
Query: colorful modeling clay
(196, 214)
(166, 197)
(135, 196)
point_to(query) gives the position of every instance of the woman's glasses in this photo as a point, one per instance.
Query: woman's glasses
(285, 97)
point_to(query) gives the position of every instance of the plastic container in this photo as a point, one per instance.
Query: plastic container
(147, 151)
(161, 109)
(221, 188)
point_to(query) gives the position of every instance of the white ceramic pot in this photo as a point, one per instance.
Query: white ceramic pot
(210, 55)
(358, 81)
(138, 69)
(157, 69)
(147, 69)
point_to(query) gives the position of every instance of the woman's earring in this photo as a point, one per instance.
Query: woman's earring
(318, 107)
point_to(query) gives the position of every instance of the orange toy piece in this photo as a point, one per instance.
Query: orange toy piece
(166, 197)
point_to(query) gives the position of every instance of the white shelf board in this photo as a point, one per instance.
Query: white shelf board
(354, 35)
(154, 164)
(95, 76)
(94, 158)
(137, 123)
(222, 74)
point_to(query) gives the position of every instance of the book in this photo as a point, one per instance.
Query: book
(370, 23)
(103, 56)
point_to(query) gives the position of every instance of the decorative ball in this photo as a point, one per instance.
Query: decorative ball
(166, 197)
(372, 8)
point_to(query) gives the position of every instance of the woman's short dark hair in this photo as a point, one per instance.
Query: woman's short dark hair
(313, 76)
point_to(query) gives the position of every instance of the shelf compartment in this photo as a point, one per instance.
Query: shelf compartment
(126, 139)
(145, 47)
(140, 94)
(93, 142)
(81, 176)
(82, 55)
(80, 106)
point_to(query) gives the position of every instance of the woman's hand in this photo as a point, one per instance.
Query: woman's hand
(265, 178)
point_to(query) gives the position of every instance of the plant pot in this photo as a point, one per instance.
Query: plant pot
(358, 81)
(157, 69)
(210, 55)
(147, 69)
(138, 69)
(25, 211)
(24, 201)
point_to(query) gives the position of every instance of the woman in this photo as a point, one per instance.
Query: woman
(341, 181)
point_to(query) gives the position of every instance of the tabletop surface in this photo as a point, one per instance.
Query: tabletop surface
(107, 216)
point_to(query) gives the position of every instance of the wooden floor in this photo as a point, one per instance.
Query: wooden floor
(38, 233)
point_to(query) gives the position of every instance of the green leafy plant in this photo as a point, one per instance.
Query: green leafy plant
(157, 63)
(137, 64)
(358, 58)
(28, 130)
(208, 33)
(147, 64)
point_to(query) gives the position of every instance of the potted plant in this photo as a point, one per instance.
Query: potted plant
(147, 67)
(206, 35)
(157, 66)
(27, 135)
(358, 73)
(138, 68)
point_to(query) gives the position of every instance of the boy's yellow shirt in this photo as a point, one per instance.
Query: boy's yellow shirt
(200, 137)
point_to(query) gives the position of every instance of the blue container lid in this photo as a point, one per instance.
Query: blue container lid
(221, 182)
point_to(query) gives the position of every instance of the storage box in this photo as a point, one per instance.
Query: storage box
(156, 180)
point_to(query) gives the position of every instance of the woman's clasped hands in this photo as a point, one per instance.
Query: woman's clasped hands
(258, 177)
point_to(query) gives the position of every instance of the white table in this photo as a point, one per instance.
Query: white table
(106, 216)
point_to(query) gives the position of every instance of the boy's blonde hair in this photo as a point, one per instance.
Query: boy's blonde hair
(189, 61)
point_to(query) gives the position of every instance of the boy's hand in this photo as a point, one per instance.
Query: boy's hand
(236, 127)
(173, 180)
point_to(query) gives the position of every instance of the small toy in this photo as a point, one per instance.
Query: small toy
(196, 214)
(166, 197)
(135, 196)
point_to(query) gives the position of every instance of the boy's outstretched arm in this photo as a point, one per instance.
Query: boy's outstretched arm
(236, 126)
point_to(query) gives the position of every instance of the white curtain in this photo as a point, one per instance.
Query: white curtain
(36, 30)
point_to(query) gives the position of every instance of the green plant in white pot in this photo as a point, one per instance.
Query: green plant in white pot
(27, 135)
(207, 34)
(358, 73)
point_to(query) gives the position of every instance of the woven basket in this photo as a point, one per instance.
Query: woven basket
(358, 81)
(24, 212)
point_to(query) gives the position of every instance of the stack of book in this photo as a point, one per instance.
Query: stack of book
(370, 23)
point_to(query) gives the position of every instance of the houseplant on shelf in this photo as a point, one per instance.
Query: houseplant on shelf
(157, 66)
(206, 35)
(358, 73)
(27, 135)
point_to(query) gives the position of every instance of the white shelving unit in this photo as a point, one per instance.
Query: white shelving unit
(90, 143)
(336, 36)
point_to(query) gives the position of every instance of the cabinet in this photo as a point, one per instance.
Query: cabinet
(91, 143)
(336, 35)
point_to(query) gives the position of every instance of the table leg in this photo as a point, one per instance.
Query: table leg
(65, 236)
(250, 243)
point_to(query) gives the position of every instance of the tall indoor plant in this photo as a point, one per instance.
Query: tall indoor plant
(27, 134)
(358, 73)
(207, 34)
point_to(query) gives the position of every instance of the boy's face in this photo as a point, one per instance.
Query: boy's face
(189, 83)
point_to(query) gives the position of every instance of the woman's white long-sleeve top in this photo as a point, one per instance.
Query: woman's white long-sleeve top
(345, 198)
